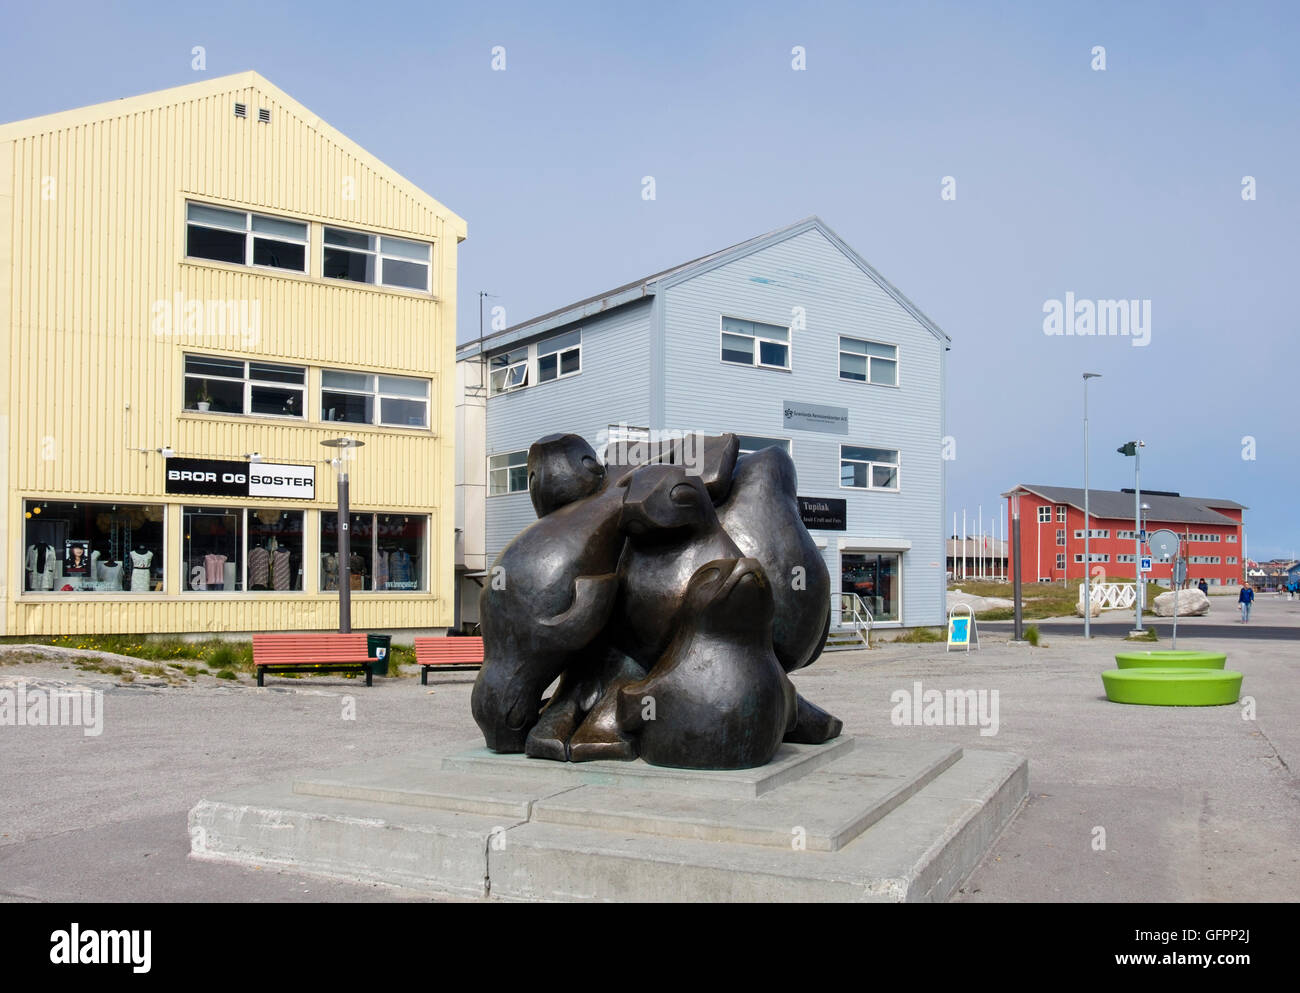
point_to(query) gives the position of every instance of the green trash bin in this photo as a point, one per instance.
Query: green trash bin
(378, 646)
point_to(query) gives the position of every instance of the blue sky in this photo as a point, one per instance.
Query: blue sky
(1122, 183)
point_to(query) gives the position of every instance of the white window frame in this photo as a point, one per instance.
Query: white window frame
(1232, 538)
(1094, 557)
(248, 383)
(378, 396)
(1045, 514)
(756, 359)
(1060, 561)
(504, 465)
(871, 361)
(1060, 536)
(871, 465)
(1060, 513)
(376, 250)
(782, 443)
(250, 237)
(559, 352)
(512, 365)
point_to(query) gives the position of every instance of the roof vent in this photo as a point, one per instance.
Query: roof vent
(263, 115)
(241, 110)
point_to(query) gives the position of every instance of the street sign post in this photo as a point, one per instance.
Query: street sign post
(1146, 563)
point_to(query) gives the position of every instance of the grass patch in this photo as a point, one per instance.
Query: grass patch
(919, 636)
(1148, 634)
(1031, 635)
(1037, 600)
(227, 674)
(191, 671)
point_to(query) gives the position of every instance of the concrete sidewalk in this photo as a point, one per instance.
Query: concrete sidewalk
(1193, 804)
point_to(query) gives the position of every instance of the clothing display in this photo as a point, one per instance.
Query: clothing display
(401, 569)
(111, 575)
(329, 567)
(280, 575)
(140, 563)
(40, 567)
(381, 570)
(259, 568)
(214, 567)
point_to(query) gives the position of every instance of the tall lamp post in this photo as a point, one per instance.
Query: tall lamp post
(1134, 448)
(1087, 527)
(1017, 636)
(345, 447)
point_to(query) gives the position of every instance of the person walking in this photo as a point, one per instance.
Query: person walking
(1244, 599)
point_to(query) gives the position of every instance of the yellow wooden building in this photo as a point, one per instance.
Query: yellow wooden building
(197, 287)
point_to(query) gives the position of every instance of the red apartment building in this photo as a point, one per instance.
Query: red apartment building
(1051, 534)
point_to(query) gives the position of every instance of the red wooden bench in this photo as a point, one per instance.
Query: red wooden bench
(319, 652)
(447, 653)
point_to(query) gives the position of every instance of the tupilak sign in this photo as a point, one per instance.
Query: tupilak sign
(815, 417)
(220, 477)
(824, 513)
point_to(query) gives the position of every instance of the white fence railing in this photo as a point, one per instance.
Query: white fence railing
(848, 611)
(1110, 596)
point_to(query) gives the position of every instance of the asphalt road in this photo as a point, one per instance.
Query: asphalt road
(1192, 803)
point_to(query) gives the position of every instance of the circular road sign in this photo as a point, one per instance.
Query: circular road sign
(1163, 544)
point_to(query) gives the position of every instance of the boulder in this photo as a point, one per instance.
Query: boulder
(1096, 607)
(978, 604)
(1191, 603)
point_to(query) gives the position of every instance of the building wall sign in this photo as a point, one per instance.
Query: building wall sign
(824, 514)
(220, 477)
(815, 417)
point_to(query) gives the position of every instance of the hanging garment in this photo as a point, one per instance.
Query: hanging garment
(140, 571)
(280, 575)
(381, 571)
(329, 566)
(40, 567)
(215, 568)
(259, 568)
(111, 576)
(400, 570)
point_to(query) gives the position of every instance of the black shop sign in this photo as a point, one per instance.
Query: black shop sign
(221, 477)
(824, 513)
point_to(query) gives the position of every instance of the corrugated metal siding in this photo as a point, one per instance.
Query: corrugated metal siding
(611, 389)
(88, 265)
(703, 393)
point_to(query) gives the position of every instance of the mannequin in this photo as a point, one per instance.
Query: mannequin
(279, 568)
(329, 571)
(141, 560)
(40, 566)
(400, 569)
(259, 567)
(110, 574)
(381, 569)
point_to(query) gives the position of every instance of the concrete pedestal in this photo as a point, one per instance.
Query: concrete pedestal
(853, 819)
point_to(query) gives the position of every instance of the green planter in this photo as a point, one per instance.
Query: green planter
(1169, 658)
(379, 646)
(1172, 687)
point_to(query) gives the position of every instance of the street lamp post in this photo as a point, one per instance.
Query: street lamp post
(1017, 636)
(340, 461)
(1134, 448)
(1087, 527)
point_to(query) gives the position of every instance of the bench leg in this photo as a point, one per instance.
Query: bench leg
(369, 675)
(260, 673)
(424, 676)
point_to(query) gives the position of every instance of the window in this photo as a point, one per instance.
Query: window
(375, 258)
(1060, 560)
(1060, 513)
(1130, 557)
(875, 578)
(1044, 515)
(868, 362)
(508, 473)
(508, 371)
(92, 547)
(1232, 560)
(387, 552)
(753, 443)
(364, 398)
(234, 549)
(1204, 559)
(1060, 536)
(752, 343)
(1095, 533)
(869, 468)
(245, 238)
(233, 386)
(559, 357)
(1232, 538)
(1094, 557)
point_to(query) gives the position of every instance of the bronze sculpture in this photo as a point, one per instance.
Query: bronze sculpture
(670, 595)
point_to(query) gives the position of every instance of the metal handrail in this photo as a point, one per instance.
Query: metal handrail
(854, 613)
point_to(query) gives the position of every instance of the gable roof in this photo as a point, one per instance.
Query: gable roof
(1118, 505)
(211, 87)
(648, 286)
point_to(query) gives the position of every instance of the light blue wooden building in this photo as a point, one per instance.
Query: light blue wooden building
(790, 338)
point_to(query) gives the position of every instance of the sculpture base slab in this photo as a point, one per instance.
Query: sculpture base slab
(852, 819)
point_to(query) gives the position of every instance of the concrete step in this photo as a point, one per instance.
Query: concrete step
(867, 820)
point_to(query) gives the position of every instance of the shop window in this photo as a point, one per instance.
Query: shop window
(244, 238)
(387, 552)
(874, 577)
(754, 343)
(274, 552)
(508, 371)
(559, 357)
(378, 259)
(869, 468)
(508, 473)
(233, 386)
(868, 362)
(82, 547)
(364, 398)
(213, 549)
